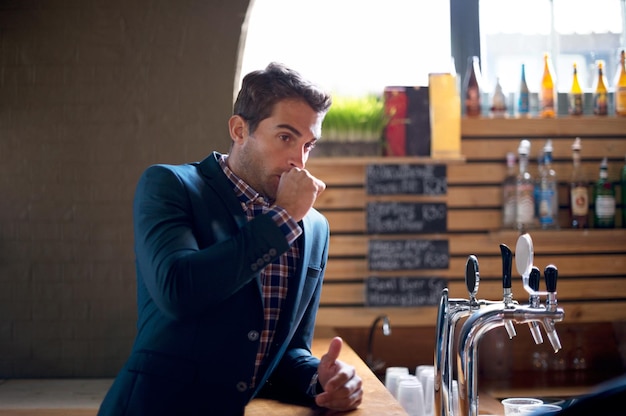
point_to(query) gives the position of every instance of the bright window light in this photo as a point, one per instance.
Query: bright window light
(350, 47)
(582, 31)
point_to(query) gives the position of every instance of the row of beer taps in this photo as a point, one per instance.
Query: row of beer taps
(484, 315)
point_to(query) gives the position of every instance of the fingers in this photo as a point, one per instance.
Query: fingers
(348, 395)
(297, 192)
(342, 386)
(319, 184)
(334, 349)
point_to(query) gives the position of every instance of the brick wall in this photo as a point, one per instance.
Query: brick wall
(91, 93)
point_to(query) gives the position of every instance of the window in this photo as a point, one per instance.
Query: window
(351, 47)
(582, 31)
(357, 47)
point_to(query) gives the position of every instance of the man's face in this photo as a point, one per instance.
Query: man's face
(281, 142)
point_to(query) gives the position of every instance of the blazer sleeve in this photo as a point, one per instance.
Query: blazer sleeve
(171, 209)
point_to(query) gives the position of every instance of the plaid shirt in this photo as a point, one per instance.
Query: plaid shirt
(274, 276)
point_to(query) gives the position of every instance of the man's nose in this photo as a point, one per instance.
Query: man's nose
(298, 157)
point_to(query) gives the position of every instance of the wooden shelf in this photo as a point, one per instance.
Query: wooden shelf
(585, 126)
(591, 262)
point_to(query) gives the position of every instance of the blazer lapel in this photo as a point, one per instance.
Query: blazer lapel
(216, 179)
(294, 307)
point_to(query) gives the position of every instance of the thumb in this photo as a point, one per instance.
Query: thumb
(334, 349)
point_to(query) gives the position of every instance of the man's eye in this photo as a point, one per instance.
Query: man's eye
(285, 137)
(310, 146)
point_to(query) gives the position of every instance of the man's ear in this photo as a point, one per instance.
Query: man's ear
(237, 127)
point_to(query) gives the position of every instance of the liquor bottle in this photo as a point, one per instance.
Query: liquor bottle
(548, 203)
(620, 86)
(498, 101)
(524, 191)
(579, 190)
(537, 179)
(508, 193)
(575, 96)
(623, 191)
(472, 88)
(547, 106)
(523, 102)
(604, 199)
(600, 94)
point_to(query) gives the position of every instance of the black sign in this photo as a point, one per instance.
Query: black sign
(403, 291)
(408, 254)
(406, 217)
(406, 179)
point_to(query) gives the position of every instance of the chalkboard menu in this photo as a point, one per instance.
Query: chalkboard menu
(406, 217)
(408, 179)
(408, 254)
(403, 291)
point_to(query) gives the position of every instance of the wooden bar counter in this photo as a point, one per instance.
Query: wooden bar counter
(377, 400)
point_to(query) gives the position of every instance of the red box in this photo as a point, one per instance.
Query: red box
(407, 132)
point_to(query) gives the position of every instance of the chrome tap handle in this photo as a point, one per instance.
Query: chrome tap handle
(507, 294)
(534, 301)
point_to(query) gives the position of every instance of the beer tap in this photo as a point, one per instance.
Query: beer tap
(449, 313)
(498, 314)
(550, 274)
(507, 297)
(524, 255)
(535, 302)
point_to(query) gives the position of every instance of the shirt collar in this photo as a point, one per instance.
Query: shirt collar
(244, 192)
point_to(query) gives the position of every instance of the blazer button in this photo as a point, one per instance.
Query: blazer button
(260, 262)
(272, 252)
(242, 386)
(253, 335)
(254, 267)
(266, 258)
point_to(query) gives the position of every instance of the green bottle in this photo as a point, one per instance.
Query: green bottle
(604, 199)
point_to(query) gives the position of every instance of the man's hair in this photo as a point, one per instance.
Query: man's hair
(262, 89)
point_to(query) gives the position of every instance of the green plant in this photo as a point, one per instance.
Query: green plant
(355, 119)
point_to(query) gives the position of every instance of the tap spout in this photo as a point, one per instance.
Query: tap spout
(386, 327)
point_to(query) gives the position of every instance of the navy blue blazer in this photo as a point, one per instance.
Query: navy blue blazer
(200, 309)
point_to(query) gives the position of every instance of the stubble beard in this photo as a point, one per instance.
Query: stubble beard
(252, 172)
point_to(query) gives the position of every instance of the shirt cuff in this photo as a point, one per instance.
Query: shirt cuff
(287, 225)
(315, 387)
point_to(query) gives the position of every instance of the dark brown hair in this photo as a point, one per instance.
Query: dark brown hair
(262, 89)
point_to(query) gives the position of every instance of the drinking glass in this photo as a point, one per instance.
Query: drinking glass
(512, 405)
(540, 409)
(411, 396)
(391, 378)
(428, 383)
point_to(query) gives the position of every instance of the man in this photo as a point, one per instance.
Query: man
(230, 261)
